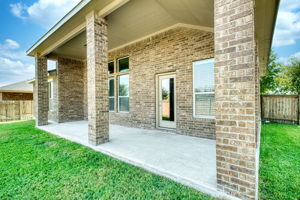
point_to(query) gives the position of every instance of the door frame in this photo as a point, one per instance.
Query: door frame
(157, 93)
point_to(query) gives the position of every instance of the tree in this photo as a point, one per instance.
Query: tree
(270, 83)
(290, 78)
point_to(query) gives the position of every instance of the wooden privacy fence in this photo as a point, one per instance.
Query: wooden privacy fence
(16, 110)
(281, 108)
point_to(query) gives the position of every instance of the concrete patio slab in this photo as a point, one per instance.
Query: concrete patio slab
(188, 160)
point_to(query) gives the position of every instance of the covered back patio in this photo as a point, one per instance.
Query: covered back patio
(170, 38)
(188, 160)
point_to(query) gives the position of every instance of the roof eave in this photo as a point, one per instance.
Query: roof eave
(69, 15)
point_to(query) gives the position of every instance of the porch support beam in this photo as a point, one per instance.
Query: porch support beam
(97, 77)
(70, 35)
(41, 91)
(237, 98)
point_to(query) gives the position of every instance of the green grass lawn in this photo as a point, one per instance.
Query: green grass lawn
(280, 162)
(37, 165)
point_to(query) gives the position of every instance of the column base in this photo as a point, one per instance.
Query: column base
(98, 141)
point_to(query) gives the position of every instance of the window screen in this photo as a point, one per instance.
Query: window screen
(204, 88)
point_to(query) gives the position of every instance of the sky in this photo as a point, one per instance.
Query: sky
(23, 22)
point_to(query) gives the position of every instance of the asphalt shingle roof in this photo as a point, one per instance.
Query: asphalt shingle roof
(22, 86)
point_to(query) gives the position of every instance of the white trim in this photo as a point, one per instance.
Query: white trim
(61, 22)
(203, 28)
(112, 7)
(205, 61)
(204, 117)
(103, 13)
(51, 91)
(76, 31)
(158, 95)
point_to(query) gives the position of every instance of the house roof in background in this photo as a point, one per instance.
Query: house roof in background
(22, 86)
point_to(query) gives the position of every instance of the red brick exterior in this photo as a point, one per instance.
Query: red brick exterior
(41, 91)
(171, 51)
(237, 98)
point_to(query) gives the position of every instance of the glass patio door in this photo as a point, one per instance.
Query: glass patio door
(166, 101)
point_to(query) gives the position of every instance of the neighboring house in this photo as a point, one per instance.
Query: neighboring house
(16, 91)
(190, 66)
(52, 94)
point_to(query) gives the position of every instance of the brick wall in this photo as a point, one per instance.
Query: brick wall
(237, 98)
(171, 51)
(41, 91)
(70, 89)
(97, 82)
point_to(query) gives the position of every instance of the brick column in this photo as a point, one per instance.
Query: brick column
(70, 89)
(41, 91)
(97, 77)
(237, 98)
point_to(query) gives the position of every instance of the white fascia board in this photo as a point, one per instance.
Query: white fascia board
(61, 22)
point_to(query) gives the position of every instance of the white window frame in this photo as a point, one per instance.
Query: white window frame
(50, 97)
(112, 97)
(124, 96)
(195, 93)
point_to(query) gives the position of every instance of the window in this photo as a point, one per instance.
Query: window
(204, 88)
(50, 89)
(123, 64)
(111, 85)
(111, 67)
(123, 93)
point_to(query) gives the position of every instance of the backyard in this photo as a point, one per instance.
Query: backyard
(37, 165)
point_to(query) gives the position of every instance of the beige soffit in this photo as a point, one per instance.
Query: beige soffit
(265, 19)
(68, 16)
(73, 23)
(139, 19)
(203, 28)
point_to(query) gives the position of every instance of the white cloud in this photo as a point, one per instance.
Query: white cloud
(286, 5)
(18, 9)
(9, 44)
(297, 55)
(14, 64)
(43, 12)
(288, 23)
(286, 59)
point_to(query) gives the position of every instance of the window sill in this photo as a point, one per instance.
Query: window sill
(204, 117)
(123, 112)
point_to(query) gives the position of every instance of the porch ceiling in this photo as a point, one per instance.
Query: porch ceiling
(139, 18)
(131, 20)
